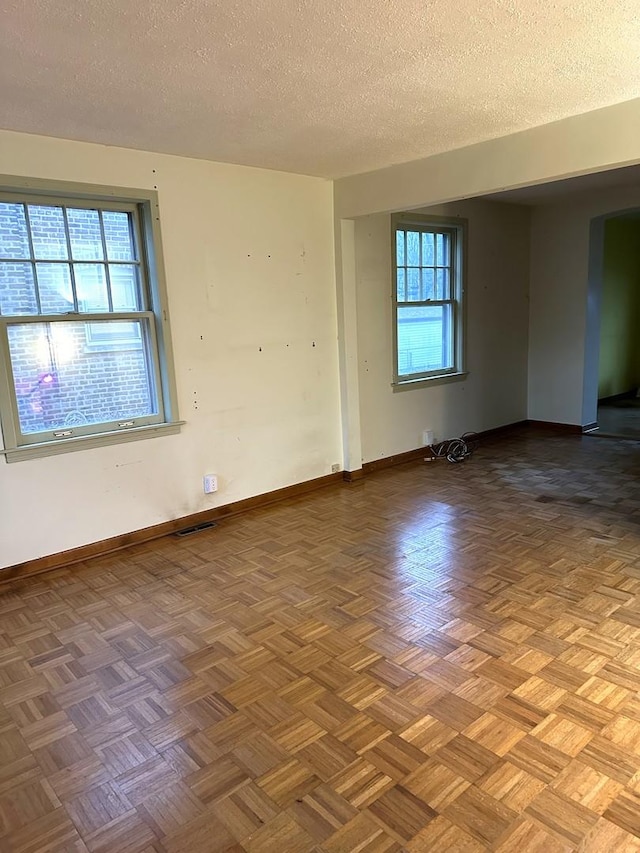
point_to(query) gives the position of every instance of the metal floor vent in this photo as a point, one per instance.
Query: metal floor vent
(189, 531)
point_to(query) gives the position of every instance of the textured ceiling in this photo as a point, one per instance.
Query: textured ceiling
(322, 87)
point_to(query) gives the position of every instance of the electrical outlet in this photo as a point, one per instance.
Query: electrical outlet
(210, 483)
(335, 467)
(427, 438)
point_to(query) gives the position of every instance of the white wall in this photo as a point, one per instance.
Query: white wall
(558, 332)
(249, 264)
(497, 319)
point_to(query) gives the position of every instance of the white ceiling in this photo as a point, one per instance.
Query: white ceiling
(322, 87)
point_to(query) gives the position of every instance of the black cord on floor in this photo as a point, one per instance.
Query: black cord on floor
(454, 449)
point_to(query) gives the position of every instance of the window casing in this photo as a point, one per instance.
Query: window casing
(428, 291)
(85, 350)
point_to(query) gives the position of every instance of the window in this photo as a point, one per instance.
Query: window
(84, 337)
(428, 291)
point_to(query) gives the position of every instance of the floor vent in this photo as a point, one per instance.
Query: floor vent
(189, 531)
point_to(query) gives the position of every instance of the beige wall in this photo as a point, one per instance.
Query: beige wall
(560, 235)
(497, 318)
(596, 141)
(262, 419)
(251, 282)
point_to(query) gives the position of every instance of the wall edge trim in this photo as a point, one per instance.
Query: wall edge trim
(423, 452)
(571, 429)
(63, 559)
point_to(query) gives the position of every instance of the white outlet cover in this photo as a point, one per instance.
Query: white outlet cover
(210, 483)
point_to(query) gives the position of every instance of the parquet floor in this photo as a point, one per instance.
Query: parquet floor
(442, 658)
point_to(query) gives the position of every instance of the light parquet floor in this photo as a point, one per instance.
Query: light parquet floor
(441, 658)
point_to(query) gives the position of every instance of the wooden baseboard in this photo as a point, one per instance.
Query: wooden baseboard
(165, 528)
(631, 394)
(157, 531)
(498, 432)
(396, 459)
(422, 452)
(568, 429)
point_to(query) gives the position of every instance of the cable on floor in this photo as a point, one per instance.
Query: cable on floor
(454, 449)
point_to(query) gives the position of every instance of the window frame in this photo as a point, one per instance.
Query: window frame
(143, 205)
(456, 228)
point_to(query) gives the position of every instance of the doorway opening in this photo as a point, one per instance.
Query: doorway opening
(614, 309)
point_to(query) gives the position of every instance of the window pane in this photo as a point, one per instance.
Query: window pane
(61, 382)
(425, 339)
(84, 232)
(443, 278)
(14, 241)
(91, 287)
(400, 248)
(54, 286)
(122, 335)
(117, 232)
(428, 284)
(17, 290)
(413, 248)
(125, 291)
(427, 250)
(443, 249)
(413, 285)
(401, 286)
(47, 232)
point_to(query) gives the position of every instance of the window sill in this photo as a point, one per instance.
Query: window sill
(425, 381)
(86, 442)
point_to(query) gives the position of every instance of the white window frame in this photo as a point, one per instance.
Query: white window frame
(456, 229)
(143, 206)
